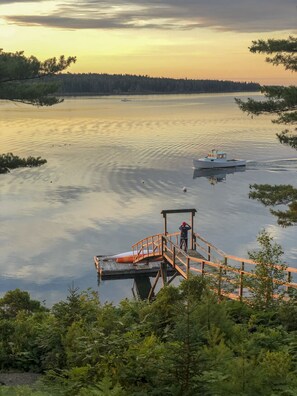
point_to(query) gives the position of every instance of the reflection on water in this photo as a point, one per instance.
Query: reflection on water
(217, 175)
(112, 167)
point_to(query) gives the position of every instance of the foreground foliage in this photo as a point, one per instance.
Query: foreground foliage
(269, 273)
(10, 161)
(21, 78)
(183, 343)
(282, 103)
(272, 195)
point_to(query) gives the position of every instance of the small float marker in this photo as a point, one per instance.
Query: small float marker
(184, 189)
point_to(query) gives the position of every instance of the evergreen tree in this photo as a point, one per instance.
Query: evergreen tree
(16, 301)
(20, 78)
(282, 102)
(269, 273)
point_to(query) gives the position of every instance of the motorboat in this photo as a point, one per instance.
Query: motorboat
(217, 159)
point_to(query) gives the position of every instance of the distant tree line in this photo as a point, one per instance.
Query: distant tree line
(117, 84)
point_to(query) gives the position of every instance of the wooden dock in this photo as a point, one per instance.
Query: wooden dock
(110, 270)
(227, 273)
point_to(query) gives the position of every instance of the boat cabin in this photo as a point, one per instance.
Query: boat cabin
(214, 154)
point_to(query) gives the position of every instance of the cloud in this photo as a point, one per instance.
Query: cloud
(4, 2)
(18, 1)
(225, 15)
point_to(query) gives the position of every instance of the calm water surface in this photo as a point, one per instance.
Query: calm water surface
(113, 165)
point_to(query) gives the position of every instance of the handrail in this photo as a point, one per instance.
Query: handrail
(216, 265)
(147, 247)
(240, 259)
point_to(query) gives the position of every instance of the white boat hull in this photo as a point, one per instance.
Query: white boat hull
(217, 163)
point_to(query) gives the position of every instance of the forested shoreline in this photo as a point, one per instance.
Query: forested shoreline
(124, 84)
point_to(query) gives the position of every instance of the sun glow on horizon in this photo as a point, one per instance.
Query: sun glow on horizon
(45, 29)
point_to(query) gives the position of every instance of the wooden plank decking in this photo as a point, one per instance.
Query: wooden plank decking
(109, 270)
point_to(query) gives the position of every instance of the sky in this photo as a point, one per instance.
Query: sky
(200, 39)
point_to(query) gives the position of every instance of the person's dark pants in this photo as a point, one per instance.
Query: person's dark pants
(184, 243)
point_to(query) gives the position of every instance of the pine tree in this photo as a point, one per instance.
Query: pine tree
(266, 287)
(282, 102)
(22, 78)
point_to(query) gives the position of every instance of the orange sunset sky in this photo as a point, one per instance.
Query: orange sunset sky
(201, 39)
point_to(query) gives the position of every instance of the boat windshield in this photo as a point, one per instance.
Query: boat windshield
(217, 154)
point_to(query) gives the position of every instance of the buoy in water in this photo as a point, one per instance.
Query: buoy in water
(184, 189)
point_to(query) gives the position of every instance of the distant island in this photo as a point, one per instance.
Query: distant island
(10, 161)
(126, 84)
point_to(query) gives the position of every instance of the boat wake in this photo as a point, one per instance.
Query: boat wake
(284, 164)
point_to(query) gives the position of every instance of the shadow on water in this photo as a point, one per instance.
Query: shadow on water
(217, 175)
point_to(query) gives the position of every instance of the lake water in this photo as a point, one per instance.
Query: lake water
(113, 165)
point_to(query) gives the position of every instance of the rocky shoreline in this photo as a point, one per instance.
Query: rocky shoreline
(18, 378)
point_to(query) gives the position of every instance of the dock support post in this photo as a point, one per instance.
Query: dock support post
(151, 293)
(172, 278)
(165, 223)
(164, 272)
(142, 287)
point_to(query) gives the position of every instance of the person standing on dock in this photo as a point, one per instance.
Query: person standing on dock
(184, 228)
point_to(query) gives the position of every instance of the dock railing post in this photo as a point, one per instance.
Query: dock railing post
(173, 256)
(225, 264)
(192, 230)
(220, 283)
(208, 252)
(241, 281)
(194, 241)
(289, 280)
(188, 267)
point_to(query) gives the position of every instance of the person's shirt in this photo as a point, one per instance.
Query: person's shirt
(184, 231)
